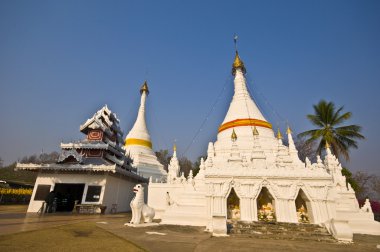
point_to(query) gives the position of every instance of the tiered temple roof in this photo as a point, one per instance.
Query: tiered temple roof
(100, 151)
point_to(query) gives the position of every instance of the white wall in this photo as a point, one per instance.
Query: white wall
(118, 191)
(157, 196)
(115, 189)
(53, 178)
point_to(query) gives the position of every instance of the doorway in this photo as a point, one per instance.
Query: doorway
(233, 206)
(265, 206)
(66, 195)
(302, 207)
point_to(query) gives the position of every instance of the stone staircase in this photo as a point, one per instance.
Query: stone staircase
(279, 230)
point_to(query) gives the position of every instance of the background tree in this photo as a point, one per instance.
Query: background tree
(375, 186)
(350, 179)
(186, 165)
(363, 180)
(43, 158)
(163, 157)
(305, 149)
(197, 164)
(1, 162)
(327, 119)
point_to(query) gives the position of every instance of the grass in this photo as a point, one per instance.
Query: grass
(84, 236)
(23, 177)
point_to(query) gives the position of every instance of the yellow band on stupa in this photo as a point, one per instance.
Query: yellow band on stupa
(136, 141)
(245, 122)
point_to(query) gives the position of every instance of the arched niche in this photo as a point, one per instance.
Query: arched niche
(303, 208)
(265, 206)
(233, 206)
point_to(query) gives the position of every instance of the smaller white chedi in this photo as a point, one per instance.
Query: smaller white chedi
(139, 147)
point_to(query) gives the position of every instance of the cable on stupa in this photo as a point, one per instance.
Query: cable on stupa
(280, 119)
(244, 73)
(228, 80)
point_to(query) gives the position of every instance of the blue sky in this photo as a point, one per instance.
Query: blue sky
(60, 61)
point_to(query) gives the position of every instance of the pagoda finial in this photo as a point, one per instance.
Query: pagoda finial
(238, 63)
(255, 131)
(174, 147)
(279, 136)
(144, 88)
(289, 130)
(327, 145)
(233, 136)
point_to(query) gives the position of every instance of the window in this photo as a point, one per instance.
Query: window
(41, 192)
(93, 193)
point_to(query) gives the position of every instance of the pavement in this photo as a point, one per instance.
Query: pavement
(170, 237)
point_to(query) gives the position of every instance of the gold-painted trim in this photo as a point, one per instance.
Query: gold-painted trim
(136, 141)
(245, 122)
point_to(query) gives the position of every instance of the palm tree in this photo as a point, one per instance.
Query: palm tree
(327, 118)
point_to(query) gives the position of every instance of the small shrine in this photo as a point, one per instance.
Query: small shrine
(93, 173)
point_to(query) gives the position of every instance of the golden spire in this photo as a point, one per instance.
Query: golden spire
(327, 145)
(238, 63)
(144, 88)
(174, 147)
(289, 130)
(233, 136)
(255, 131)
(279, 136)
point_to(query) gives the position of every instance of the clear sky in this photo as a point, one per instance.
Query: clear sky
(61, 61)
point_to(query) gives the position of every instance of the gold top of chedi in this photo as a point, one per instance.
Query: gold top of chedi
(327, 145)
(289, 130)
(238, 63)
(279, 135)
(144, 88)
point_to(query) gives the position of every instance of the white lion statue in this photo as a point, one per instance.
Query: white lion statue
(139, 207)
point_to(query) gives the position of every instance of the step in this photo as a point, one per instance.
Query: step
(279, 230)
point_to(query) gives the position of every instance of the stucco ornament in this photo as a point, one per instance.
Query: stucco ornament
(366, 207)
(139, 208)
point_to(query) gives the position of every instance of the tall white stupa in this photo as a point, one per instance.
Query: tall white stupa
(139, 145)
(251, 176)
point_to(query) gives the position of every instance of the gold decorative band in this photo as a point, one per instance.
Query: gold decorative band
(245, 122)
(136, 141)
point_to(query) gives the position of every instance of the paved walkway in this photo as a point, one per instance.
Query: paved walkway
(14, 219)
(172, 238)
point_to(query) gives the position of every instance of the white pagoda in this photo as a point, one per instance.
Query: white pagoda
(139, 146)
(250, 175)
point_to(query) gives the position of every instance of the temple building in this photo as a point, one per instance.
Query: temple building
(138, 144)
(91, 172)
(249, 175)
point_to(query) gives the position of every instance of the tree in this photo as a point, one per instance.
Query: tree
(350, 179)
(43, 158)
(197, 163)
(305, 149)
(327, 119)
(164, 158)
(363, 179)
(375, 186)
(1, 162)
(186, 165)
